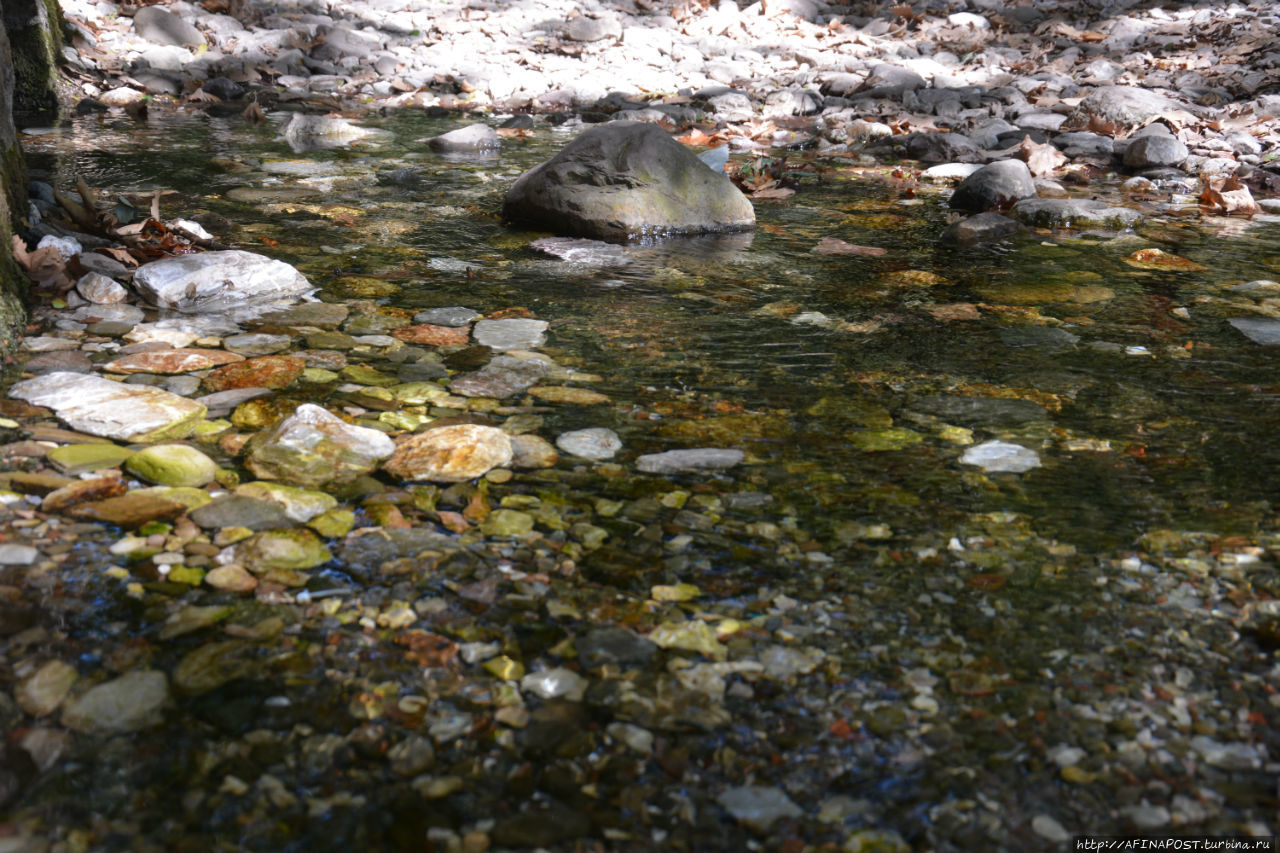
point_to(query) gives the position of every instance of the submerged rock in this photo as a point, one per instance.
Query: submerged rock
(697, 459)
(125, 704)
(1001, 456)
(101, 407)
(172, 465)
(450, 454)
(472, 139)
(1073, 213)
(228, 281)
(627, 180)
(312, 447)
(758, 806)
(514, 333)
(596, 443)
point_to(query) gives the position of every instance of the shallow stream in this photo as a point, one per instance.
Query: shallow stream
(912, 651)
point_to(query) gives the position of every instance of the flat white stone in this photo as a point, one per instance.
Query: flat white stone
(1001, 456)
(98, 406)
(697, 459)
(598, 443)
(231, 281)
(503, 335)
(12, 554)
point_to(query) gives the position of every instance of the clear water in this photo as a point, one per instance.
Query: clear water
(1156, 418)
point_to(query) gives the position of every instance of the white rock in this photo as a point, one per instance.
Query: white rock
(1049, 829)
(100, 289)
(109, 409)
(67, 247)
(1001, 456)
(12, 554)
(240, 283)
(146, 333)
(554, 683)
(597, 443)
(758, 806)
(697, 459)
(503, 335)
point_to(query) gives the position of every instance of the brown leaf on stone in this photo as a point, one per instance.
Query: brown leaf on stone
(836, 246)
(1230, 197)
(1041, 158)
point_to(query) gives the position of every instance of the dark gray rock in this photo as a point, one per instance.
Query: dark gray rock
(1073, 213)
(1155, 151)
(240, 511)
(505, 376)
(616, 646)
(996, 185)
(979, 411)
(453, 316)
(627, 180)
(1038, 337)
(1083, 144)
(1260, 330)
(942, 148)
(984, 226)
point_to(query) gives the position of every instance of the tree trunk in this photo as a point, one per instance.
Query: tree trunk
(35, 40)
(13, 198)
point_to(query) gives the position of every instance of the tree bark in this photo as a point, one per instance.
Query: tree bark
(13, 198)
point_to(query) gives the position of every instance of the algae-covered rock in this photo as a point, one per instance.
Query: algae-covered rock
(172, 465)
(283, 549)
(125, 704)
(75, 459)
(301, 505)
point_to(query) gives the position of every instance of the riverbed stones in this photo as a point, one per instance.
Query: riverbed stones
(683, 461)
(172, 465)
(295, 549)
(507, 334)
(130, 510)
(478, 138)
(312, 447)
(502, 377)
(758, 806)
(1073, 213)
(1001, 457)
(99, 289)
(455, 315)
(450, 454)
(984, 226)
(627, 180)
(300, 505)
(1155, 151)
(171, 361)
(595, 443)
(996, 185)
(231, 280)
(109, 409)
(40, 693)
(431, 335)
(267, 371)
(129, 703)
(229, 511)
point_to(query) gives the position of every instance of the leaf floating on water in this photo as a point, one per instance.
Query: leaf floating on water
(1154, 259)
(836, 246)
(987, 582)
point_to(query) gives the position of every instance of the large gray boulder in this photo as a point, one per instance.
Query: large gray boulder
(627, 180)
(996, 185)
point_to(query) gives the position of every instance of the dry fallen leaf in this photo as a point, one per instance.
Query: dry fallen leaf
(1041, 158)
(774, 192)
(1229, 196)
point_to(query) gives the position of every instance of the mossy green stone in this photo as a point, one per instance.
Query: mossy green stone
(362, 374)
(172, 465)
(186, 574)
(283, 549)
(507, 522)
(894, 438)
(188, 496)
(299, 504)
(333, 524)
(318, 376)
(74, 459)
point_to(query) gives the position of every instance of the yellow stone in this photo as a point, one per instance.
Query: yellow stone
(676, 592)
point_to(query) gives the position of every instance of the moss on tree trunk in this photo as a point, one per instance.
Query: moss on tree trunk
(13, 196)
(35, 38)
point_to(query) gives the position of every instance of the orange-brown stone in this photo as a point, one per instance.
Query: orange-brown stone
(268, 371)
(434, 336)
(171, 361)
